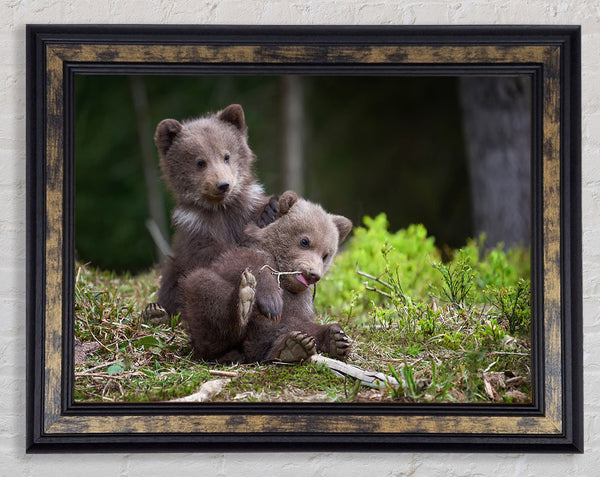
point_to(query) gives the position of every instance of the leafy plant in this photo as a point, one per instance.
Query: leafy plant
(464, 333)
(496, 267)
(352, 393)
(428, 325)
(369, 249)
(458, 280)
(439, 388)
(513, 304)
(491, 331)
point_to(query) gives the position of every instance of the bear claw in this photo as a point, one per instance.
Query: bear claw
(297, 346)
(270, 304)
(337, 344)
(246, 295)
(155, 314)
(269, 213)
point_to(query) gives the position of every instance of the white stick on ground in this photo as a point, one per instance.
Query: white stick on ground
(367, 378)
(206, 392)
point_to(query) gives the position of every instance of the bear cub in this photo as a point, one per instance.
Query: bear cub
(207, 165)
(241, 309)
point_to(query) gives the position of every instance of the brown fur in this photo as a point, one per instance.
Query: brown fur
(207, 164)
(212, 295)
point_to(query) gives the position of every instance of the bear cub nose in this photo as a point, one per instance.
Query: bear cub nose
(223, 186)
(313, 277)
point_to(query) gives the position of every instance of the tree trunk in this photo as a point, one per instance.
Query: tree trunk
(293, 141)
(497, 130)
(157, 222)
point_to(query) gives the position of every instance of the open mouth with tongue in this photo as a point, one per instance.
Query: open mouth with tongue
(301, 279)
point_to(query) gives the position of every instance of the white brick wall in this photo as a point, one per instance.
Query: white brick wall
(14, 14)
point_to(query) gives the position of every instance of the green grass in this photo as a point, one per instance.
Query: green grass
(456, 331)
(129, 360)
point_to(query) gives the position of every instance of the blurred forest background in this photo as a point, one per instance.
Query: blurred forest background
(450, 153)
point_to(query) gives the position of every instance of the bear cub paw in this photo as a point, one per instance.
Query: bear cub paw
(246, 296)
(155, 314)
(297, 346)
(337, 343)
(269, 213)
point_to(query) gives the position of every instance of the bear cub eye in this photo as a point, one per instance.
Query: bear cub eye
(201, 164)
(226, 158)
(325, 257)
(304, 242)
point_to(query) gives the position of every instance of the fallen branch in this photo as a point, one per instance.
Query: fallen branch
(228, 374)
(207, 391)
(509, 353)
(122, 375)
(91, 370)
(371, 379)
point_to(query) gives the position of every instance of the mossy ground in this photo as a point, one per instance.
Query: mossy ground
(446, 352)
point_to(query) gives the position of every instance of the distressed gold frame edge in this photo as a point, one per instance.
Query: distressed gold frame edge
(56, 423)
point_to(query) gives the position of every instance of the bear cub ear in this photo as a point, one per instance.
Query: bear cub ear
(233, 114)
(166, 131)
(286, 200)
(343, 225)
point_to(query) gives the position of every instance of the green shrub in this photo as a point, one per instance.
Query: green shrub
(513, 306)
(496, 267)
(458, 280)
(409, 261)
(372, 248)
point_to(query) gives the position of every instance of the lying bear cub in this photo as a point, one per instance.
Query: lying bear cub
(241, 310)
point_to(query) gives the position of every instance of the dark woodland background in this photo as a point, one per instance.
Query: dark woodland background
(450, 153)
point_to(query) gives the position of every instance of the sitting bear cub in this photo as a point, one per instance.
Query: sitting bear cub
(207, 164)
(241, 310)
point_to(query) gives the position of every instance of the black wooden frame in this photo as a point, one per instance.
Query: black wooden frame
(550, 55)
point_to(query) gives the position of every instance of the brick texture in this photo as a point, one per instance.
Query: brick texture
(15, 14)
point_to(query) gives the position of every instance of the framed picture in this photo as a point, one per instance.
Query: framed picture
(546, 62)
